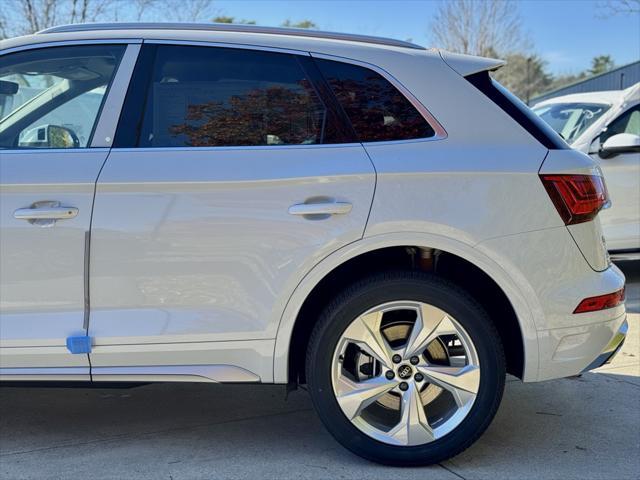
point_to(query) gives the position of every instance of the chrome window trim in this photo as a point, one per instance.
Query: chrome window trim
(105, 129)
(440, 132)
(61, 43)
(26, 151)
(237, 147)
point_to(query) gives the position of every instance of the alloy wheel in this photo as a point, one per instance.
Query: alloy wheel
(405, 373)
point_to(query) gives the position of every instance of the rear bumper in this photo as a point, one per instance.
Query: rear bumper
(554, 277)
(627, 255)
(612, 348)
(565, 352)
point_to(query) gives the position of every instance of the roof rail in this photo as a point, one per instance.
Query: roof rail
(226, 27)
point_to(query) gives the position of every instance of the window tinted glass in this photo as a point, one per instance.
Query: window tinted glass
(50, 98)
(377, 110)
(628, 122)
(205, 96)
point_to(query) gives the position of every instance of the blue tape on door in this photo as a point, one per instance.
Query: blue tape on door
(79, 344)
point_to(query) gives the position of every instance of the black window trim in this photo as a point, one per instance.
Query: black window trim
(131, 118)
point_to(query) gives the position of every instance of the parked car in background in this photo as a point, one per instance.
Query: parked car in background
(383, 223)
(606, 125)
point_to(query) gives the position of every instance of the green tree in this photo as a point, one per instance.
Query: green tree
(601, 64)
(524, 75)
(300, 24)
(227, 19)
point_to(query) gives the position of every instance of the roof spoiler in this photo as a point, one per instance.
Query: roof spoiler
(469, 64)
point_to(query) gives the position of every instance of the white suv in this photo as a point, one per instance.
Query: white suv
(383, 223)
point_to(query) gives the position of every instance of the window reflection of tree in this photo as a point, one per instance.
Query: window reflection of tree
(378, 111)
(272, 115)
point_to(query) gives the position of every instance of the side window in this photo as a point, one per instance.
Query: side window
(51, 97)
(377, 110)
(212, 96)
(628, 122)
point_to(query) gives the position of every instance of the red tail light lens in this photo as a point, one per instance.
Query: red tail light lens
(601, 302)
(578, 198)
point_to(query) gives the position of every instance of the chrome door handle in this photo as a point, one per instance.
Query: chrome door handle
(51, 213)
(328, 208)
(45, 213)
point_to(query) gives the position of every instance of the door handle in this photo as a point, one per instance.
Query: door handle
(45, 213)
(328, 208)
(51, 213)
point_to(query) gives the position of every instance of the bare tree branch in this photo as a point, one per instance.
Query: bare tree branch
(490, 27)
(617, 7)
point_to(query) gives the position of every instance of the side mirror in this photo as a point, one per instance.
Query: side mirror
(620, 143)
(595, 146)
(8, 88)
(61, 137)
(49, 136)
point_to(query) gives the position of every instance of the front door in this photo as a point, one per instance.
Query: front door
(49, 104)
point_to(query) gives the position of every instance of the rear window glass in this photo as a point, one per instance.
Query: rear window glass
(377, 110)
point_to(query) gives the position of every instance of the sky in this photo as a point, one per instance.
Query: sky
(567, 34)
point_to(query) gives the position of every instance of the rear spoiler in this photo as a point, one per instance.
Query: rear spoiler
(469, 64)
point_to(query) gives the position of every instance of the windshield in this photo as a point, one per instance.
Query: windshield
(571, 119)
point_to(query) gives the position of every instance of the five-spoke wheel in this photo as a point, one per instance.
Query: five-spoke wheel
(410, 392)
(405, 369)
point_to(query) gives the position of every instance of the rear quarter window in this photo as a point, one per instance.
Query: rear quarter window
(377, 110)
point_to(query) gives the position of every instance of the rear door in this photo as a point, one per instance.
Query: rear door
(51, 98)
(233, 174)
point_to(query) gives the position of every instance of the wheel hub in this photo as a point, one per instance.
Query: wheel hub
(405, 371)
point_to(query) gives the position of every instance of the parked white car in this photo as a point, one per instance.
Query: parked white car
(383, 223)
(606, 125)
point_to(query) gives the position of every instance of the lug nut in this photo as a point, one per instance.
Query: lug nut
(418, 377)
(414, 360)
(389, 374)
(403, 386)
(396, 358)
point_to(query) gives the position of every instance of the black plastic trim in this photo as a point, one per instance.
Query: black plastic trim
(517, 110)
(132, 114)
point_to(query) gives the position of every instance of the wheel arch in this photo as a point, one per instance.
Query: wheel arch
(361, 255)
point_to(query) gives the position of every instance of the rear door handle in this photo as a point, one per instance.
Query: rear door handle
(45, 213)
(51, 213)
(328, 208)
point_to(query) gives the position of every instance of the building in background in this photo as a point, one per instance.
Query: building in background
(617, 79)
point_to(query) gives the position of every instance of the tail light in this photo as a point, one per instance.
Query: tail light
(578, 198)
(601, 302)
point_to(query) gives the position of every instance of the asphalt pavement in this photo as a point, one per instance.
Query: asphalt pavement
(586, 427)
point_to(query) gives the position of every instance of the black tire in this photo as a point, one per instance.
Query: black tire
(389, 287)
